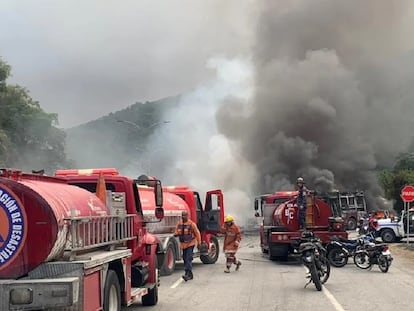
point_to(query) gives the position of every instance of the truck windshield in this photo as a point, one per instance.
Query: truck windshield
(279, 201)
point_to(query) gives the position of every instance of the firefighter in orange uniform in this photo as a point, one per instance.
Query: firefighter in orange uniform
(188, 234)
(232, 238)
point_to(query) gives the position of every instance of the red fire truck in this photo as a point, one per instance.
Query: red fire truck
(64, 247)
(209, 220)
(351, 206)
(280, 226)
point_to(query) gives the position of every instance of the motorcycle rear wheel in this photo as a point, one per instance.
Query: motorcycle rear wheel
(383, 263)
(337, 257)
(315, 277)
(325, 270)
(361, 260)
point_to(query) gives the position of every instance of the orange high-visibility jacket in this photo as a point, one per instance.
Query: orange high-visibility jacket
(187, 233)
(232, 237)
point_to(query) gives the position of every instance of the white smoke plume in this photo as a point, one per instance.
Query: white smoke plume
(191, 151)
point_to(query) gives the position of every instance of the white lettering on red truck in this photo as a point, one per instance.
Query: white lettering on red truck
(12, 226)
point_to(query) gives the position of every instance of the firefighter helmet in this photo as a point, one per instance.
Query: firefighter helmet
(300, 180)
(228, 218)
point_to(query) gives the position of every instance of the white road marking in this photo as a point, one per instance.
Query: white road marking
(332, 299)
(178, 282)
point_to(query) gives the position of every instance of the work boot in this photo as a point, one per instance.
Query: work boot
(185, 276)
(238, 264)
(227, 270)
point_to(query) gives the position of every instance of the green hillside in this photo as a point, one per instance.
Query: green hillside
(115, 139)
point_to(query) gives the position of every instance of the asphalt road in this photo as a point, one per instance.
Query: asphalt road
(261, 284)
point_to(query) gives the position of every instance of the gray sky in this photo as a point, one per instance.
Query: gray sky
(86, 58)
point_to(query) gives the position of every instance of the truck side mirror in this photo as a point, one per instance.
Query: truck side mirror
(256, 205)
(158, 194)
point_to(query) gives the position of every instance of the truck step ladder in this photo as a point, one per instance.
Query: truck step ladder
(97, 231)
(309, 211)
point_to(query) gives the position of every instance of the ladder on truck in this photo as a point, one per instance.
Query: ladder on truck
(92, 232)
(309, 221)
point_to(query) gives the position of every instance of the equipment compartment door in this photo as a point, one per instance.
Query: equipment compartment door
(410, 222)
(213, 216)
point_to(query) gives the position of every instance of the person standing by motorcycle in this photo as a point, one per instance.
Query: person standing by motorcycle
(232, 238)
(362, 228)
(301, 202)
(373, 226)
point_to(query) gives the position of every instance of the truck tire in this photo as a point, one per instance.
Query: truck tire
(151, 298)
(112, 292)
(168, 266)
(387, 235)
(351, 224)
(213, 252)
(278, 251)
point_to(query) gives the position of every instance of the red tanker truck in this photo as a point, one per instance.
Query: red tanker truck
(280, 226)
(209, 220)
(64, 247)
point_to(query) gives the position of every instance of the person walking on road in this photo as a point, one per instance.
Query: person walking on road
(232, 238)
(188, 234)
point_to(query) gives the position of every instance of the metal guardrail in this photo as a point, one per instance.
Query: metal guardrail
(96, 231)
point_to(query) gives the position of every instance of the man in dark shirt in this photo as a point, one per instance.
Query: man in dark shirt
(301, 202)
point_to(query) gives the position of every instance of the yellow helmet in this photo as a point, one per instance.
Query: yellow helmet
(228, 218)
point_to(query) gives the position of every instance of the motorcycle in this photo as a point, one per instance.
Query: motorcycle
(340, 250)
(374, 254)
(313, 256)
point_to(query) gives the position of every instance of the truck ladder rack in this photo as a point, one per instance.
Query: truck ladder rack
(97, 231)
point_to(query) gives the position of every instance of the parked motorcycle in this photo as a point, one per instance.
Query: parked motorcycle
(340, 249)
(374, 254)
(313, 256)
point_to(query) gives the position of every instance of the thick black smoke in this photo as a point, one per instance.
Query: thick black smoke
(333, 93)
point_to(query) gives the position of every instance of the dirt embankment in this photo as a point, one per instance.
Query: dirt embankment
(402, 250)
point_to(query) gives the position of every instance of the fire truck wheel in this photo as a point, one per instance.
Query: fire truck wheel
(168, 266)
(151, 298)
(112, 292)
(213, 252)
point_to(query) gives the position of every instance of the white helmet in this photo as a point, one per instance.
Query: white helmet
(300, 180)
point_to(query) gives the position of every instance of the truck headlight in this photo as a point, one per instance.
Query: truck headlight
(308, 258)
(21, 296)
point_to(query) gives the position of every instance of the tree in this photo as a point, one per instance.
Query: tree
(392, 181)
(29, 138)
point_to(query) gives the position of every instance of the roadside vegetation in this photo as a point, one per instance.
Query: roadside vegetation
(29, 136)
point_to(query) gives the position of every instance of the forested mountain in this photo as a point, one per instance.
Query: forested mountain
(117, 139)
